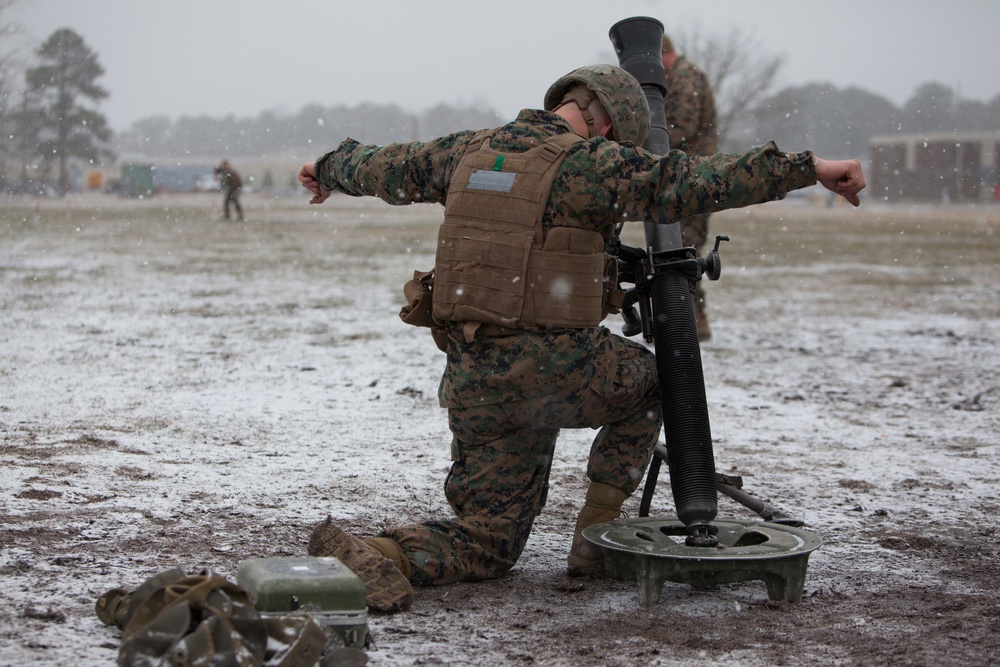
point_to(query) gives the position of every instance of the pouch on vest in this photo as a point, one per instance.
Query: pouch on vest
(567, 279)
(418, 311)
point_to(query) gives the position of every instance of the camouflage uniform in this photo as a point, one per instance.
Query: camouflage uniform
(509, 392)
(231, 184)
(692, 126)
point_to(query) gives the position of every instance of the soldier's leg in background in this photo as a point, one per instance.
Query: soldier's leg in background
(495, 487)
(694, 232)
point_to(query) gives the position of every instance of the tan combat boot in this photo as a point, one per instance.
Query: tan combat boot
(387, 587)
(603, 503)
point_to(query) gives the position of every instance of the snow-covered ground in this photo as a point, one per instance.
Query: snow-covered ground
(177, 390)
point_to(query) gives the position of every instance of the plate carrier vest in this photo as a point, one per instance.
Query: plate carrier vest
(493, 265)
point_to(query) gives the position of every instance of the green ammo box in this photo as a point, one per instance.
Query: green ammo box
(324, 588)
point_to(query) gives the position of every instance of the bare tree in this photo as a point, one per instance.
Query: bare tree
(740, 71)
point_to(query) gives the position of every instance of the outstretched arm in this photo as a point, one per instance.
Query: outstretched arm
(843, 177)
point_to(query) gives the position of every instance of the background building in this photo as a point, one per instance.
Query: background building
(948, 167)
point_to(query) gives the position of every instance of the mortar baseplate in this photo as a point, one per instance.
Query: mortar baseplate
(652, 551)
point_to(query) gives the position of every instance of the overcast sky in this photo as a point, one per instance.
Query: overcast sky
(241, 57)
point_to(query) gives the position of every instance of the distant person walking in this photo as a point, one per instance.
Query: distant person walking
(231, 184)
(692, 125)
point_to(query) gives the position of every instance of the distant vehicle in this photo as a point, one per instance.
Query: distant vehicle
(137, 180)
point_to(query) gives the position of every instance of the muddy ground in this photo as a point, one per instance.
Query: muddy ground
(177, 390)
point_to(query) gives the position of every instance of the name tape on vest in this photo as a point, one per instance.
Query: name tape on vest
(495, 181)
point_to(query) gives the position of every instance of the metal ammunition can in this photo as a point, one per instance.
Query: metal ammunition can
(324, 588)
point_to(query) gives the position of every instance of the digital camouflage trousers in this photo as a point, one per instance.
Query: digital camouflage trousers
(498, 479)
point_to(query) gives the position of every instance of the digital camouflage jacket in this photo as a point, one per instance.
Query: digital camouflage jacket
(599, 184)
(689, 105)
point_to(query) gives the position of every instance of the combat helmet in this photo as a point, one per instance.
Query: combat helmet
(619, 93)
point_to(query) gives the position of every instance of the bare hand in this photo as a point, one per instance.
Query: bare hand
(307, 177)
(843, 177)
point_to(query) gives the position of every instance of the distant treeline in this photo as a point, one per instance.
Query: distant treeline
(838, 122)
(315, 128)
(832, 121)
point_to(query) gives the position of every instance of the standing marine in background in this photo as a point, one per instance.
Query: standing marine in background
(692, 125)
(231, 184)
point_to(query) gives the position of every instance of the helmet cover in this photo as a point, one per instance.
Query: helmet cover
(619, 93)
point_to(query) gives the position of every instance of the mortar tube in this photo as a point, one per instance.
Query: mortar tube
(638, 44)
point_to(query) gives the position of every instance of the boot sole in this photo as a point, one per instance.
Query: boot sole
(386, 588)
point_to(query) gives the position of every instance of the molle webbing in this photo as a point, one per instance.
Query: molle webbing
(492, 265)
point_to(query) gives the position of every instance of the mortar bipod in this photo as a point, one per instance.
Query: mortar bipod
(730, 486)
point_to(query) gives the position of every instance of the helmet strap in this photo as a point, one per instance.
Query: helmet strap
(582, 97)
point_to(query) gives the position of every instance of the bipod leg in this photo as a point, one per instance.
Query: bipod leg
(659, 455)
(731, 487)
